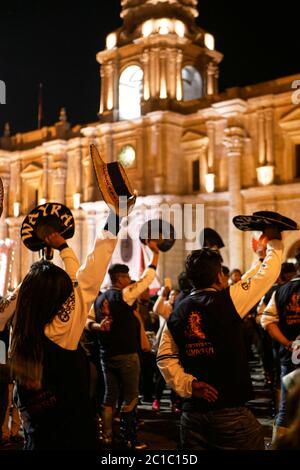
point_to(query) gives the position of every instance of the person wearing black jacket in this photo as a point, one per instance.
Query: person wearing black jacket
(202, 352)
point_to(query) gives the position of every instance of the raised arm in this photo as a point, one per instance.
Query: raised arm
(132, 292)
(7, 307)
(245, 294)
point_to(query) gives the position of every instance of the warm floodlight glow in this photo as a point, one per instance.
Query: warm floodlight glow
(179, 28)
(16, 208)
(111, 41)
(110, 100)
(178, 91)
(164, 26)
(76, 200)
(210, 182)
(42, 201)
(209, 41)
(265, 174)
(147, 28)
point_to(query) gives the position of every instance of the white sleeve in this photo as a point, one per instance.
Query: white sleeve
(168, 362)
(245, 294)
(131, 293)
(7, 307)
(252, 271)
(260, 310)
(70, 261)
(162, 307)
(270, 313)
(67, 333)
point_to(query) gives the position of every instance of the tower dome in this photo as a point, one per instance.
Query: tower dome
(135, 12)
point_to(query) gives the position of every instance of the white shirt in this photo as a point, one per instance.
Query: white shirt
(89, 276)
(129, 293)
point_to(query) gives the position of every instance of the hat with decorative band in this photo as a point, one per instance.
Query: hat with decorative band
(44, 220)
(258, 221)
(113, 183)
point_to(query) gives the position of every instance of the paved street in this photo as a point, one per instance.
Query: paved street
(160, 430)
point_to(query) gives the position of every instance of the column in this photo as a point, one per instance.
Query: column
(178, 76)
(15, 183)
(211, 146)
(210, 78)
(14, 227)
(163, 92)
(234, 137)
(171, 72)
(102, 107)
(45, 163)
(269, 137)
(3, 225)
(261, 138)
(146, 79)
(59, 185)
(109, 87)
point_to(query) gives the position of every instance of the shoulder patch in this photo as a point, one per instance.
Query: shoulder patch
(67, 308)
(246, 284)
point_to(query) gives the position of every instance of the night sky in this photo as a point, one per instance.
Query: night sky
(56, 42)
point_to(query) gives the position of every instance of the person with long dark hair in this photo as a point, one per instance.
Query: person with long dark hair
(49, 366)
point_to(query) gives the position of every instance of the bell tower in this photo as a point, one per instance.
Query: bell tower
(158, 60)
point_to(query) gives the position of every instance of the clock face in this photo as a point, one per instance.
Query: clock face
(127, 156)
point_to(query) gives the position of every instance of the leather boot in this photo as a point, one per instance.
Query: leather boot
(107, 418)
(128, 431)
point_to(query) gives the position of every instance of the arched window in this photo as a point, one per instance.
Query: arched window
(191, 83)
(130, 92)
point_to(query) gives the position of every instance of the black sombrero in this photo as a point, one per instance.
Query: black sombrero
(44, 220)
(113, 182)
(209, 237)
(158, 229)
(258, 221)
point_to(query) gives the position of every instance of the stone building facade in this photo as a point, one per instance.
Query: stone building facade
(181, 141)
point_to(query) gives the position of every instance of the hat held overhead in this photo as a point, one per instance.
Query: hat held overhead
(113, 183)
(160, 230)
(44, 220)
(261, 220)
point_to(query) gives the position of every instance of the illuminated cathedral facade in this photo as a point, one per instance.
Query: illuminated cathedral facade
(182, 142)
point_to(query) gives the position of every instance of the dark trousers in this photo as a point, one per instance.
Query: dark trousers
(225, 429)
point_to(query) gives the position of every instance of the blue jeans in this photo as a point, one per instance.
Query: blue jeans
(121, 374)
(281, 418)
(225, 429)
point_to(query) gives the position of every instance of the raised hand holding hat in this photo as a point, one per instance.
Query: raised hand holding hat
(113, 183)
(44, 220)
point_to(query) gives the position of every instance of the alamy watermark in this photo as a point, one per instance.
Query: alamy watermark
(2, 92)
(179, 221)
(296, 93)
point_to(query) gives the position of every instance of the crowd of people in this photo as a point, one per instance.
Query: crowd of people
(77, 355)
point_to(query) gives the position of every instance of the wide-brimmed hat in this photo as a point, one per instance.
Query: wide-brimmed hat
(44, 220)
(1, 197)
(160, 230)
(113, 183)
(258, 221)
(209, 237)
